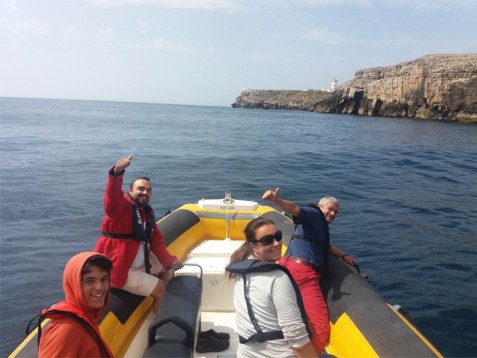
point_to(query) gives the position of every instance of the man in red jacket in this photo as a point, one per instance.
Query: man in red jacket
(131, 239)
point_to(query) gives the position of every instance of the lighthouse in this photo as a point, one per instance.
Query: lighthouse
(334, 85)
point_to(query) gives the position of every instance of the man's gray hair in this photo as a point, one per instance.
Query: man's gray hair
(326, 199)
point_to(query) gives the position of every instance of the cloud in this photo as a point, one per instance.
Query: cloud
(325, 35)
(12, 6)
(70, 33)
(163, 44)
(420, 4)
(26, 28)
(228, 6)
(319, 34)
(336, 2)
(106, 35)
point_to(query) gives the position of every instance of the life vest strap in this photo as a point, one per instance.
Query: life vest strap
(262, 336)
(110, 235)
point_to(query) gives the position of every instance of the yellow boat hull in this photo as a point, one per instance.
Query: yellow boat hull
(362, 323)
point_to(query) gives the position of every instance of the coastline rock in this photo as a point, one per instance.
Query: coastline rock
(440, 87)
(304, 100)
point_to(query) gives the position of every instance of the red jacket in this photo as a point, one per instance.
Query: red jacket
(118, 220)
(73, 331)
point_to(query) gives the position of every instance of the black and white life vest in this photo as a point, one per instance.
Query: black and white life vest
(141, 232)
(248, 266)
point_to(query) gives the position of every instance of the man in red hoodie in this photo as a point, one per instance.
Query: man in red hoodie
(73, 331)
(131, 239)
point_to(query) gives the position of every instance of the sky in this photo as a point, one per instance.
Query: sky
(205, 52)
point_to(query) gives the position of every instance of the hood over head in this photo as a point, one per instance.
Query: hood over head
(72, 284)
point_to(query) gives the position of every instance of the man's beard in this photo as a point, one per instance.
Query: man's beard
(140, 203)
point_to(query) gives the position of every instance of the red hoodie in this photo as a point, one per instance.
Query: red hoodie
(73, 331)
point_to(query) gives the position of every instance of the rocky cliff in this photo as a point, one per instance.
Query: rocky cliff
(431, 87)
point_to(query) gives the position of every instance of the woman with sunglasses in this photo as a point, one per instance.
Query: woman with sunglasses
(267, 297)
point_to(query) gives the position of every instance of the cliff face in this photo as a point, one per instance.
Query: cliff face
(431, 87)
(305, 100)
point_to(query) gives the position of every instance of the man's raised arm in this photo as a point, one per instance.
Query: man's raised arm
(287, 206)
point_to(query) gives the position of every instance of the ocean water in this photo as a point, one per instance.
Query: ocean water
(408, 193)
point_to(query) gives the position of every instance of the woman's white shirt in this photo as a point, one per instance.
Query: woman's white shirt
(274, 304)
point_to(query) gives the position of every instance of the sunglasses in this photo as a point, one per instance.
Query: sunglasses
(268, 239)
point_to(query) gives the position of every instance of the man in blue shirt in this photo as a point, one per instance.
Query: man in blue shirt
(307, 254)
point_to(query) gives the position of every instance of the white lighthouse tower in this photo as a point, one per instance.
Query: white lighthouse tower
(334, 85)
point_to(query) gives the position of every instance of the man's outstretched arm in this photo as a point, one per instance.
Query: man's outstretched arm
(287, 206)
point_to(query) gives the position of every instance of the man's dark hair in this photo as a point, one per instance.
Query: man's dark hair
(135, 180)
(97, 260)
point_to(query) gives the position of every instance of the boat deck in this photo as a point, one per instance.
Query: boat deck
(220, 322)
(217, 308)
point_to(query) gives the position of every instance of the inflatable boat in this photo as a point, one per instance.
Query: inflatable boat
(200, 298)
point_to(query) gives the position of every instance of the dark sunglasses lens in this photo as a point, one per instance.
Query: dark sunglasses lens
(268, 239)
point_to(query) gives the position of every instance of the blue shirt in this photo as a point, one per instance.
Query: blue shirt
(311, 239)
